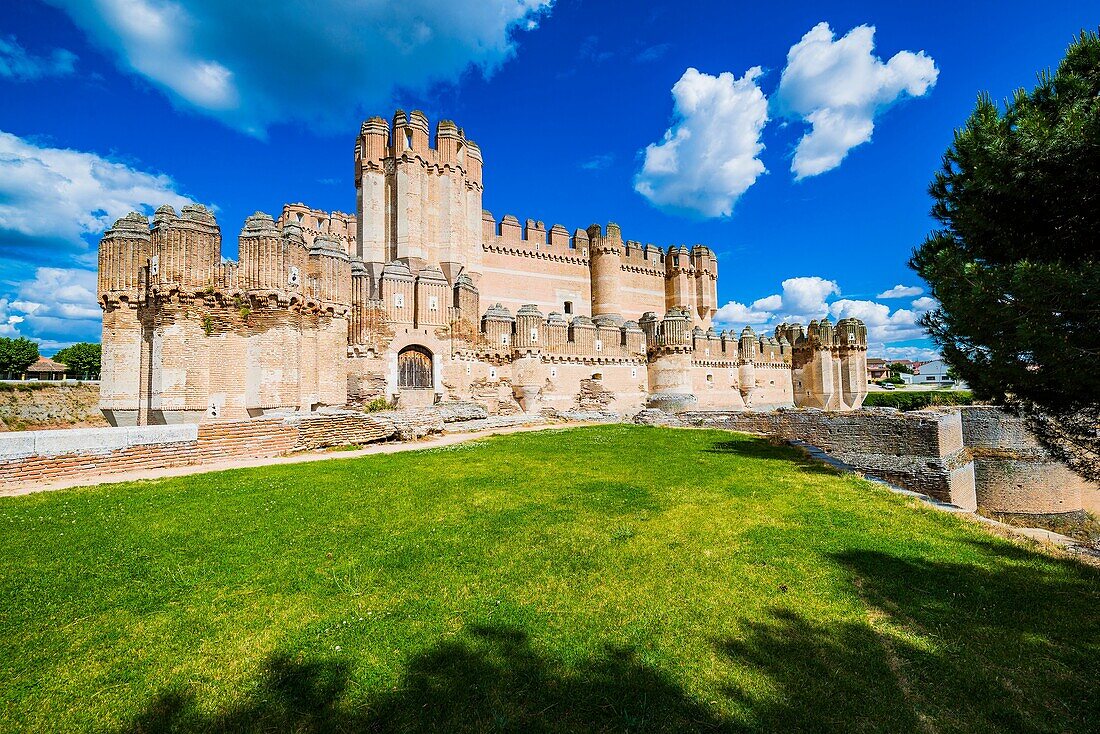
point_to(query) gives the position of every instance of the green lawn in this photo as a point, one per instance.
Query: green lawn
(596, 579)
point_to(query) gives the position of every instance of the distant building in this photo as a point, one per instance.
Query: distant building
(877, 370)
(931, 373)
(46, 369)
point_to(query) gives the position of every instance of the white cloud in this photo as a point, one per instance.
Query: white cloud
(709, 157)
(9, 322)
(57, 305)
(736, 315)
(50, 198)
(927, 303)
(917, 354)
(839, 87)
(901, 291)
(883, 325)
(17, 63)
(324, 62)
(801, 300)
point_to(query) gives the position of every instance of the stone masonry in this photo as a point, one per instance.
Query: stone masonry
(421, 298)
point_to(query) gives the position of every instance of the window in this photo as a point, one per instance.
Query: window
(299, 215)
(319, 221)
(504, 340)
(931, 378)
(492, 373)
(414, 367)
(534, 333)
(399, 300)
(633, 372)
(553, 371)
(599, 346)
(433, 303)
(569, 307)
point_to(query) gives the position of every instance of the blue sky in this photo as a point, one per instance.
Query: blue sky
(683, 123)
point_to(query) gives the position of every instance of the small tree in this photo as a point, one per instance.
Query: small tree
(898, 368)
(1015, 265)
(83, 360)
(16, 355)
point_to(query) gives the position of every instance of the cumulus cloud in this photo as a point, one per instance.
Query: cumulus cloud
(801, 300)
(9, 322)
(901, 291)
(709, 157)
(55, 307)
(883, 325)
(53, 203)
(838, 87)
(804, 299)
(927, 303)
(50, 198)
(320, 64)
(19, 64)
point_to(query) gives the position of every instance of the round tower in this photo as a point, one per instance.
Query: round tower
(606, 263)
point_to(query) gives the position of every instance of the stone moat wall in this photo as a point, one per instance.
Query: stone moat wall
(977, 457)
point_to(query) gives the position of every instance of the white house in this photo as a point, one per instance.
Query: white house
(932, 373)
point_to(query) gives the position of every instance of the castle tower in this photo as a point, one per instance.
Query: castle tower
(418, 204)
(124, 254)
(670, 364)
(606, 263)
(679, 279)
(705, 263)
(266, 260)
(185, 248)
(851, 351)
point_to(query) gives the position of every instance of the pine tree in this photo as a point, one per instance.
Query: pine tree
(1015, 264)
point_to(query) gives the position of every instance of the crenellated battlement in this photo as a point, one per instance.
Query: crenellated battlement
(408, 138)
(421, 295)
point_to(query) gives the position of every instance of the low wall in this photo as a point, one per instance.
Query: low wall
(38, 457)
(1014, 473)
(921, 450)
(976, 457)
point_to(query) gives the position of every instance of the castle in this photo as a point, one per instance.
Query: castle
(423, 297)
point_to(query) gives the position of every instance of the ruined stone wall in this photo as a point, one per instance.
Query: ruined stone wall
(28, 458)
(921, 450)
(55, 405)
(1014, 474)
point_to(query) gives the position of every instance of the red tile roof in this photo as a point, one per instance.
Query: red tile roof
(45, 364)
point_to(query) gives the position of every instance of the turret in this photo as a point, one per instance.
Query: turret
(374, 223)
(529, 328)
(185, 248)
(605, 253)
(498, 324)
(267, 260)
(124, 252)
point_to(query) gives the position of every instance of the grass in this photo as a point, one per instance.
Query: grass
(596, 579)
(917, 400)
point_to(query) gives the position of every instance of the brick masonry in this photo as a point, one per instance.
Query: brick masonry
(976, 457)
(920, 450)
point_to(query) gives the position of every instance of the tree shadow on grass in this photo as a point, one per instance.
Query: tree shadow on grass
(1008, 643)
(491, 681)
(765, 449)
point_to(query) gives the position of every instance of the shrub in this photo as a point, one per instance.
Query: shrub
(379, 403)
(917, 400)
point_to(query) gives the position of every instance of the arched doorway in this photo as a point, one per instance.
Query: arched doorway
(414, 368)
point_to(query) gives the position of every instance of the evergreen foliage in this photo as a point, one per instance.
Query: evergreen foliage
(1015, 265)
